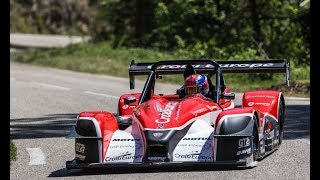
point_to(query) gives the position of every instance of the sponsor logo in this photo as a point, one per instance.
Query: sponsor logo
(80, 157)
(178, 113)
(125, 106)
(124, 156)
(122, 146)
(198, 111)
(196, 139)
(157, 134)
(203, 146)
(160, 126)
(126, 140)
(259, 96)
(251, 65)
(245, 151)
(80, 147)
(212, 107)
(158, 158)
(244, 142)
(166, 113)
(258, 103)
(194, 155)
(247, 65)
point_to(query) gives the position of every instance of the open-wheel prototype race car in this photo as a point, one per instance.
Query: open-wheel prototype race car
(183, 127)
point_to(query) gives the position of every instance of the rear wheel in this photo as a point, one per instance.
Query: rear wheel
(281, 119)
(255, 141)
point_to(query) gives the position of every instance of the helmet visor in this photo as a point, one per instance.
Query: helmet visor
(193, 89)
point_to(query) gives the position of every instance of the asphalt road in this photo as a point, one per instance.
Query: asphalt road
(44, 103)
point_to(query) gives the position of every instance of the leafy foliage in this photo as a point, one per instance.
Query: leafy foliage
(219, 29)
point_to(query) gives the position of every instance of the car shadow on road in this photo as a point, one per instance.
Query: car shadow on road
(138, 170)
(52, 125)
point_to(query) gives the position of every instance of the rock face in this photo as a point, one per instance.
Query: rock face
(51, 16)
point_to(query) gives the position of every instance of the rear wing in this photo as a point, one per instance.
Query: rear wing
(200, 66)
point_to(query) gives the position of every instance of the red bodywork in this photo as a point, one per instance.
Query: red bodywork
(174, 113)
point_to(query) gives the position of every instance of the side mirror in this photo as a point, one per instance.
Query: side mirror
(228, 95)
(129, 100)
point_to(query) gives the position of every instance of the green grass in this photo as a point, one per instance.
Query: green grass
(101, 58)
(13, 152)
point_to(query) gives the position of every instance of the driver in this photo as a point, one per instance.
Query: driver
(197, 83)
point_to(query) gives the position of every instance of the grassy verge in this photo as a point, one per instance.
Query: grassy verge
(101, 58)
(13, 152)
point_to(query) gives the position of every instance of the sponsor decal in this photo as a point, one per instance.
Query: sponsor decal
(262, 103)
(126, 140)
(125, 106)
(178, 113)
(212, 107)
(247, 65)
(258, 103)
(124, 156)
(157, 158)
(245, 151)
(160, 126)
(198, 111)
(157, 134)
(203, 146)
(244, 142)
(193, 155)
(80, 147)
(80, 157)
(196, 138)
(259, 96)
(166, 113)
(251, 65)
(122, 146)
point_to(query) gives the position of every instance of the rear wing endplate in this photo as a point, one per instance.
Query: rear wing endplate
(248, 66)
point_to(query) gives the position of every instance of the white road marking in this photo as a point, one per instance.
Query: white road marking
(37, 157)
(100, 94)
(51, 86)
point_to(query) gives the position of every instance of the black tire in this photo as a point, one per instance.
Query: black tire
(281, 116)
(255, 141)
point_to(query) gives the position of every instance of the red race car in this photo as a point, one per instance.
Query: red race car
(197, 124)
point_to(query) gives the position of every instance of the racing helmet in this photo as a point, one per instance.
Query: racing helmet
(196, 83)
